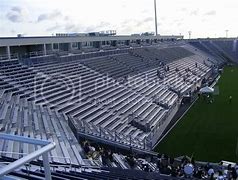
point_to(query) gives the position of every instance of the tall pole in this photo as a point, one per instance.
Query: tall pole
(156, 30)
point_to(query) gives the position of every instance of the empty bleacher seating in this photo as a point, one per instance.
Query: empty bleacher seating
(119, 98)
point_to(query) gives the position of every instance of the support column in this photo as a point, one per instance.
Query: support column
(44, 49)
(8, 52)
(70, 46)
(79, 45)
(46, 166)
(100, 44)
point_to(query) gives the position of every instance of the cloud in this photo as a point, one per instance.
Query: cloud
(90, 29)
(13, 31)
(17, 9)
(74, 27)
(98, 27)
(210, 13)
(124, 4)
(183, 9)
(144, 21)
(17, 14)
(49, 16)
(70, 27)
(66, 18)
(178, 20)
(145, 11)
(126, 30)
(103, 24)
(127, 22)
(148, 19)
(128, 26)
(134, 22)
(53, 28)
(194, 12)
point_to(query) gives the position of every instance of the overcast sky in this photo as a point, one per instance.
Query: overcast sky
(205, 18)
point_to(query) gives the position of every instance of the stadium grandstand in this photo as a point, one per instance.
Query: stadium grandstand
(106, 108)
(102, 106)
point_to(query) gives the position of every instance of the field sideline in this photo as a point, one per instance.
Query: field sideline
(209, 132)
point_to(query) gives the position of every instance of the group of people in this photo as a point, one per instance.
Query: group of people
(167, 68)
(180, 168)
(188, 168)
(97, 152)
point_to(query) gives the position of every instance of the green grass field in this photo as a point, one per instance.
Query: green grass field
(208, 131)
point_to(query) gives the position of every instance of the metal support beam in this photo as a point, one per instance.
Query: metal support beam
(23, 139)
(44, 49)
(70, 46)
(8, 52)
(46, 165)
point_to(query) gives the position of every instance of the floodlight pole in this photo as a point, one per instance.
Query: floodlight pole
(156, 28)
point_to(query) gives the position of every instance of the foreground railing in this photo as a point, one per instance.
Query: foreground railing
(7, 153)
(46, 146)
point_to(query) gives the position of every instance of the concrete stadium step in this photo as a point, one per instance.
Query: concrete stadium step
(87, 112)
(101, 118)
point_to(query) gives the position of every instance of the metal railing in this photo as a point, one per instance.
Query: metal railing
(5, 57)
(24, 154)
(127, 140)
(46, 146)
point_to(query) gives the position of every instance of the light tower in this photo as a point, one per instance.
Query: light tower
(227, 33)
(156, 28)
(189, 34)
